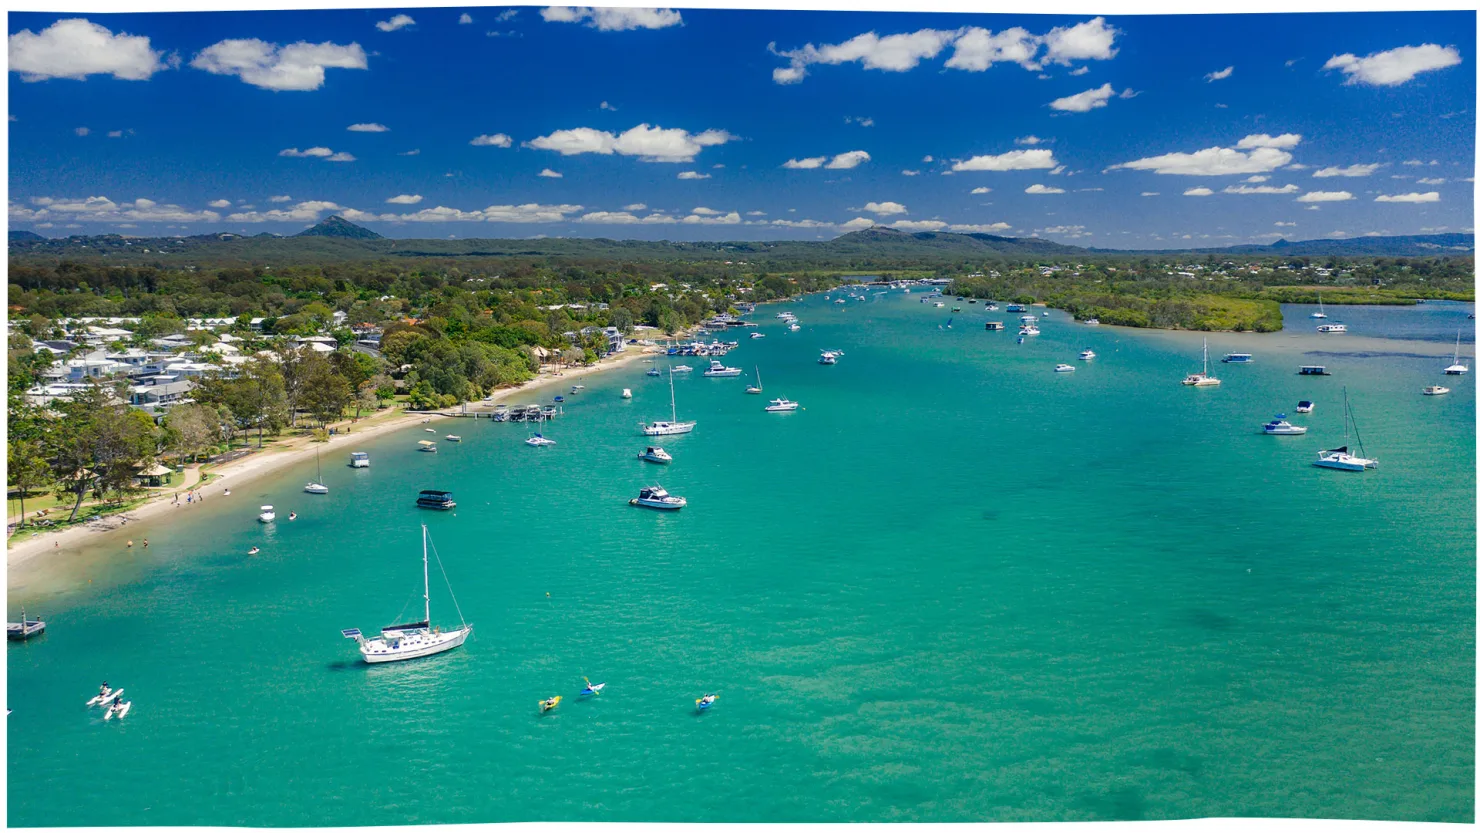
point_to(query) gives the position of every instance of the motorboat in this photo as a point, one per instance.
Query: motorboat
(1304, 406)
(1028, 330)
(755, 388)
(1087, 356)
(660, 428)
(683, 368)
(267, 515)
(655, 454)
(435, 499)
(626, 393)
(781, 406)
(453, 438)
(718, 369)
(1063, 368)
(1342, 458)
(428, 446)
(1028, 319)
(991, 307)
(539, 441)
(1331, 328)
(938, 304)
(1281, 427)
(359, 460)
(1435, 390)
(1456, 369)
(1238, 358)
(656, 497)
(795, 326)
(827, 357)
(413, 639)
(1093, 322)
(757, 335)
(1203, 379)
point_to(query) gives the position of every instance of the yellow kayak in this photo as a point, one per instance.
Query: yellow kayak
(546, 705)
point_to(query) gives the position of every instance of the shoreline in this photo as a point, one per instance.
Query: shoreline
(26, 556)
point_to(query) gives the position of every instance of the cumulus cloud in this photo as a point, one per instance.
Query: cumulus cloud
(975, 49)
(1150, 193)
(730, 219)
(1219, 75)
(851, 159)
(1350, 170)
(1042, 189)
(465, 19)
(857, 224)
(1260, 189)
(982, 190)
(650, 143)
(76, 48)
(637, 206)
(405, 199)
(412, 152)
(1432, 180)
(908, 172)
(297, 66)
(919, 225)
(1324, 196)
(220, 203)
(1012, 160)
(805, 164)
(321, 152)
(1198, 192)
(340, 157)
(885, 208)
(692, 175)
(81, 131)
(1265, 153)
(980, 228)
(1029, 140)
(400, 21)
(104, 210)
(1431, 196)
(368, 127)
(549, 174)
(280, 198)
(1085, 101)
(497, 140)
(1395, 66)
(526, 213)
(613, 19)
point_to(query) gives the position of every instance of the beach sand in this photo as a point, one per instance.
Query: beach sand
(28, 555)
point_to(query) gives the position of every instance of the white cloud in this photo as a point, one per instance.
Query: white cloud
(927, 158)
(637, 206)
(1150, 193)
(405, 199)
(625, 218)
(861, 121)
(977, 49)
(1265, 154)
(851, 159)
(465, 19)
(104, 210)
(220, 203)
(908, 172)
(304, 212)
(76, 48)
(1395, 66)
(1013, 160)
(321, 152)
(885, 208)
(81, 131)
(1431, 196)
(857, 224)
(497, 140)
(1260, 189)
(1256, 178)
(298, 66)
(893, 53)
(918, 225)
(340, 157)
(412, 152)
(608, 106)
(549, 174)
(731, 219)
(613, 19)
(507, 15)
(1085, 101)
(1042, 189)
(280, 198)
(805, 164)
(400, 21)
(1129, 93)
(982, 190)
(793, 223)
(368, 127)
(1092, 40)
(1078, 72)
(1324, 196)
(651, 144)
(1350, 170)
(981, 228)
(706, 212)
(692, 175)
(527, 213)
(1282, 224)
(1029, 140)
(1432, 180)
(1219, 75)
(755, 213)
(1198, 192)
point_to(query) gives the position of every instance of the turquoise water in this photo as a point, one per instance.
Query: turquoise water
(957, 586)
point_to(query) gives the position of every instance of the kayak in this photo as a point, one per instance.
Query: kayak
(119, 712)
(546, 705)
(103, 700)
(593, 689)
(706, 701)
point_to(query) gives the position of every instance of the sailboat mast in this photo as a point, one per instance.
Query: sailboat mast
(426, 580)
(1205, 357)
(672, 397)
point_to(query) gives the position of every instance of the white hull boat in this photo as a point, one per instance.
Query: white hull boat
(1087, 356)
(416, 639)
(1456, 369)
(1341, 458)
(656, 497)
(662, 428)
(1331, 328)
(105, 699)
(118, 711)
(1064, 368)
(779, 406)
(626, 393)
(1281, 428)
(1435, 390)
(1202, 380)
(267, 515)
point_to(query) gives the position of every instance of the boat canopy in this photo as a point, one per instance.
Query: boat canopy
(409, 626)
(435, 493)
(426, 442)
(267, 509)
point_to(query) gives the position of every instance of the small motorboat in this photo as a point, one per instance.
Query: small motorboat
(778, 406)
(1028, 330)
(1304, 406)
(1435, 390)
(1063, 368)
(558, 399)
(656, 497)
(547, 705)
(703, 703)
(1093, 322)
(626, 393)
(359, 460)
(718, 369)
(428, 446)
(1331, 328)
(1280, 427)
(453, 438)
(655, 454)
(575, 389)
(539, 440)
(794, 327)
(757, 335)
(683, 368)
(1087, 356)
(430, 430)
(991, 307)
(828, 357)
(267, 515)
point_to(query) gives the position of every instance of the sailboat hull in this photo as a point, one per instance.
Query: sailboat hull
(413, 647)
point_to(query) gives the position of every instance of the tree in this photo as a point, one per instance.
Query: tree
(325, 393)
(97, 441)
(27, 468)
(193, 428)
(367, 398)
(254, 399)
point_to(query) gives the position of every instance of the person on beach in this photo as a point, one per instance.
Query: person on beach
(146, 543)
(130, 543)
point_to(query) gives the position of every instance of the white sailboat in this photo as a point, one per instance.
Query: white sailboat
(1456, 369)
(755, 388)
(1342, 458)
(660, 428)
(414, 639)
(1321, 313)
(317, 487)
(1202, 380)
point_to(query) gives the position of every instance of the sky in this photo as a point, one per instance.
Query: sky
(1118, 131)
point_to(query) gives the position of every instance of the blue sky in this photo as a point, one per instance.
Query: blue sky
(1120, 131)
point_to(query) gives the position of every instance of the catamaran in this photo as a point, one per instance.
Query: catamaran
(1202, 380)
(317, 487)
(1456, 369)
(414, 639)
(660, 428)
(1342, 458)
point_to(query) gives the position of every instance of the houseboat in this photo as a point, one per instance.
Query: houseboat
(1238, 358)
(359, 460)
(1313, 370)
(435, 499)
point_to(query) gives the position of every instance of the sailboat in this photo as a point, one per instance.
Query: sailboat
(755, 388)
(414, 639)
(1321, 313)
(1342, 458)
(317, 487)
(1202, 380)
(660, 428)
(1456, 369)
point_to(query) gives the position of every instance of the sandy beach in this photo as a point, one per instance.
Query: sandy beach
(28, 553)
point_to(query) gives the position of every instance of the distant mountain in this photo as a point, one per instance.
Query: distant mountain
(886, 240)
(1412, 245)
(337, 226)
(25, 235)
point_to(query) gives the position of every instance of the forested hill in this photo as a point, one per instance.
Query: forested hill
(878, 247)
